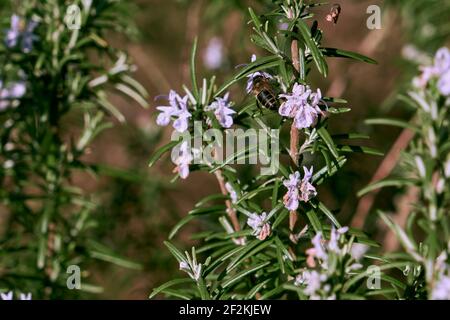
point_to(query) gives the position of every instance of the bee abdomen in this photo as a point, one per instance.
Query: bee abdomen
(268, 100)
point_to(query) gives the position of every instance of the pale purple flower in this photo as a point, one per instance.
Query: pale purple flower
(261, 228)
(313, 281)
(7, 295)
(335, 236)
(319, 249)
(28, 37)
(358, 250)
(291, 199)
(13, 34)
(19, 32)
(440, 70)
(10, 93)
(441, 290)
(333, 244)
(183, 160)
(307, 190)
(298, 190)
(231, 192)
(222, 111)
(213, 56)
(178, 109)
(444, 84)
(252, 76)
(302, 105)
(442, 60)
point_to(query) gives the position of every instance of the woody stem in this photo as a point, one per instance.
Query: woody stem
(230, 210)
(294, 135)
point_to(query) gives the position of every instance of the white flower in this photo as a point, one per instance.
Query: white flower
(7, 296)
(194, 270)
(24, 296)
(183, 160)
(261, 228)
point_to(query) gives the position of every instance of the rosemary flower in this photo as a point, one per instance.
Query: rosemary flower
(440, 70)
(194, 270)
(177, 108)
(222, 111)
(302, 105)
(299, 190)
(261, 228)
(183, 160)
(19, 31)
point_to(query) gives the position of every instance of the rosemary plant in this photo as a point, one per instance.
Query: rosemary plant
(426, 167)
(269, 236)
(56, 73)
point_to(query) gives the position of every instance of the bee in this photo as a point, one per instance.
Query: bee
(335, 11)
(262, 90)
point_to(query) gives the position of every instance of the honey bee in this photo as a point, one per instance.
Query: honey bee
(262, 90)
(335, 11)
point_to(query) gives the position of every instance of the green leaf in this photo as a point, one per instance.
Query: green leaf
(193, 75)
(329, 214)
(158, 154)
(179, 225)
(249, 252)
(175, 252)
(208, 210)
(315, 52)
(350, 136)
(320, 176)
(323, 133)
(211, 198)
(333, 52)
(359, 149)
(385, 183)
(283, 215)
(101, 252)
(244, 273)
(256, 289)
(362, 275)
(255, 19)
(314, 220)
(391, 122)
(168, 285)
